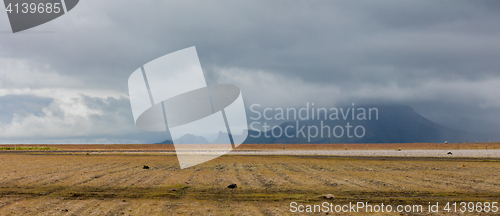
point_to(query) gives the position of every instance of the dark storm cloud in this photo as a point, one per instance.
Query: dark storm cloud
(376, 51)
(328, 39)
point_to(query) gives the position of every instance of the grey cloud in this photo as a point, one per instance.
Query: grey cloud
(21, 105)
(329, 39)
(338, 46)
(104, 120)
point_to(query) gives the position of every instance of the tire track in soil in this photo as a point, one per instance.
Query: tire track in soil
(47, 208)
(174, 167)
(425, 183)
(306, 169)
(330, 181)
(282, 175)
(450, 181)
(126, 178)
(428, 183)
(267, 212)
(378, 185)
(79, 211)
(53, 181)
(326, 182)
(96, 176)
(170, 207)
(4, 204)
(238, 176)
(93, 204)
(251, 169)
(57, 179)
(266, 183)
(120, 209)
(57, 189)
(14, 180)
(291, 168)
(320, 179)
(159, 178)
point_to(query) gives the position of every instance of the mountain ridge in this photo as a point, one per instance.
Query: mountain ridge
(395, 124)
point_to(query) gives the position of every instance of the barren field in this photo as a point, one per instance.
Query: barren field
(52, 183)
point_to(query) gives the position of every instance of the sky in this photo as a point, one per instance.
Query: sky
(66, 81)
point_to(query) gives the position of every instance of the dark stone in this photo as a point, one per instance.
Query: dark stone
(145, 167)
(232, 186)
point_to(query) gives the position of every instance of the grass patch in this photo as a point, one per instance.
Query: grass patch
(25, 148)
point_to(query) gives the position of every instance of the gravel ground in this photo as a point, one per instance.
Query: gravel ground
(469, 153)
(463, 153)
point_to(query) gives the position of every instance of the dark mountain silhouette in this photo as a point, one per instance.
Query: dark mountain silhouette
(395, 124)
(166, 142)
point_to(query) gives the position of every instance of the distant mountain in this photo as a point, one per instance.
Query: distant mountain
(191, 139)
(221, 138)
(395, 124)
(224, 138)
(166, 142)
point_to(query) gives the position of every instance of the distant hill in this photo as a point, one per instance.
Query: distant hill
(166, 142)
(191, 139)
(395, 124)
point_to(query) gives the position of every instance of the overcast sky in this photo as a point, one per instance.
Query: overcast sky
(66, 81)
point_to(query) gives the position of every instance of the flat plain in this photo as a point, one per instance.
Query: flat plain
(110, 180)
